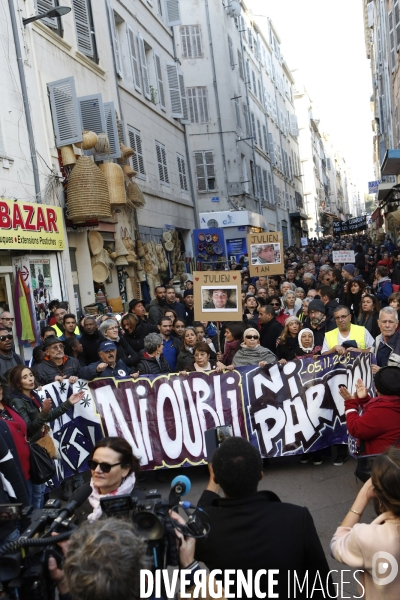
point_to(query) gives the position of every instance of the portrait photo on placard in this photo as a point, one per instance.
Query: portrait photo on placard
(262, 254)
(219, 298)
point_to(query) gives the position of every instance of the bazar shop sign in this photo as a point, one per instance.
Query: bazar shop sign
(281, 410)
(30, 226)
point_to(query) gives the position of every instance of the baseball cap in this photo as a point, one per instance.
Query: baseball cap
(105, 346)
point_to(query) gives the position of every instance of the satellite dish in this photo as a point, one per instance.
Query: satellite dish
(212, 223)
(235, 8)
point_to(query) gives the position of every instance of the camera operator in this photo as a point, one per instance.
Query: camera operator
(104, 559)
(253, 529)
(114, 469)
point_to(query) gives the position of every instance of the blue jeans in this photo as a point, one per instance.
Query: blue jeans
(36, 493)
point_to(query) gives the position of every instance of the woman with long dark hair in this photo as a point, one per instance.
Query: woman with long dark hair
(369, 314)
(233, 338)
(114, 468)
(353, 296)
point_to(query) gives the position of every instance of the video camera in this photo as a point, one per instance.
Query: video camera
(151, 515)
(23, 572)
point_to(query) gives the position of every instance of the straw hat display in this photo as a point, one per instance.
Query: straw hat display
(115, 181)
(126, 152)
(121, 261)
(68, 155)
(96, 242)
(128, 171)
(134, 194)
(100, 272)
(87, 191)
(120, 248)
(89, 140)
(169, 246)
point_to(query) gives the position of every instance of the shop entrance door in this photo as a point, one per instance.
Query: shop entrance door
(6, 299)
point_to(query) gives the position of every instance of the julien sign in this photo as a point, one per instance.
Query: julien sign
(282, 410)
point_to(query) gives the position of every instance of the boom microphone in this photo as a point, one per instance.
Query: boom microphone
(79, 496)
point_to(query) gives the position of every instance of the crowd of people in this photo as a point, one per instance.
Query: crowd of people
(317, 307)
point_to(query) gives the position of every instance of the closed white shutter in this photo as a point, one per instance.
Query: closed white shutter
(205, 171)
(391, 38)
(112, 132)
(294, 128)
(42, 6)
(186, 42)
(202, 96)
(196, 41)
(265, 181)
(265, 138)
(135, 142)
(253, 127)
(161, 92)
(291, 167)
(237, 109)
(115, 40)
(259, 183)
(197, 104)
(162, 163)
(191, 41)
(271, 147)
(185, 112)
(65, 111)
(240, 63)
(248, 74)
(83, 27)
(259, 134)
(173, 12)
(92, 113)
(143, 64)
(182, 172)
(246, 119)
(134, 59)
(260, 91)
(210, 170)
(192, 105)
(397, 23)
(174, 90)
(254, 83)
(230, 47)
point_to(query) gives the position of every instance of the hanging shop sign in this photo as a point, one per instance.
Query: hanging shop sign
(30, 226)
(265, 253)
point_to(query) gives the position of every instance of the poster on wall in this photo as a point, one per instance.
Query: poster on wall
(217, 296)
(41, 287)
(265, 253)
(236, 248)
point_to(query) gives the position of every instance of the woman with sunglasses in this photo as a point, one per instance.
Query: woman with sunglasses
(114, 468)
(280, 313)
(251, 352)
(369, 314)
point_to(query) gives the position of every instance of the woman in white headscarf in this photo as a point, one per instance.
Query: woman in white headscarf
(251, 352)
(306, 346)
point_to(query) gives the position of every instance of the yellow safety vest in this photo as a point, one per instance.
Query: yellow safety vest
(357, 333)
(59, 333)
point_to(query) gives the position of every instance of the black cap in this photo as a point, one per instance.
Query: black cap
(133, 303)
(316, 305)
(387, 381)
(49, 341)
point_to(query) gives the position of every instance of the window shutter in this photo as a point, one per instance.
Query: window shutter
(186, 42)
(134, 60)
(192, 105)
(200, 172)
(246, 118)
(174, 90)
(135, 142)
(173, 12)
(161, 92)
(92, 113)
(210, 170)
(260, 91)
(196, 41)
(42, 6)
(143, 64)
(115, 40)
(271, 146)
(112, 132)
(185, 112)
(237, 109)
(182, 172)
(240, 63)
(162, 163)
(391, 38)
(65, 111)
(83, 27)
(291, 167)
(230, 47)
(254, 83)
(248, 74)
(265, 138)
(259, 134)
(294, 128)
(265, 181)
(203, 104)
(397, 22)
(253, 127)
(259, 183)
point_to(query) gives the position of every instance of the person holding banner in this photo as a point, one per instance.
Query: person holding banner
(288, 343)
(346, 335)
(251, 352)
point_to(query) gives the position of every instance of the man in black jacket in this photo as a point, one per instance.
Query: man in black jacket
(270, 328)
(107, 366)
(56, 366)
(253, 529)
(90, 339)
(157, 306)
(328, 297)
(8, 358)
(172, 302)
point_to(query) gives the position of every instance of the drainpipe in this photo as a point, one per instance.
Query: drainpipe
(24, 91)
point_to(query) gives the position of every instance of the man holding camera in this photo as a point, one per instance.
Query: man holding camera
(253, 529)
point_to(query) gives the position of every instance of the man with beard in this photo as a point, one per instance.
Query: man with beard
(328, 297)
(172, 302)
(316, 321)
(157, 306)
(270, 328)
(90, 339)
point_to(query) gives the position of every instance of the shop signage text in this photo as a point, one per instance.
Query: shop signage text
(30, 226)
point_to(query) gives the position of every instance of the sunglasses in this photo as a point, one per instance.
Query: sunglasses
(105, 467)
(3, 338)
(252, 337)
(274, 304)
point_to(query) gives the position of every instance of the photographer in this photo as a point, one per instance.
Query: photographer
(253, 529)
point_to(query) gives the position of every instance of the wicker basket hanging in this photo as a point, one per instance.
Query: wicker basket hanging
(68, 155)
(121, 262)
(135, 195)
(103, 144)
(89, 140)
(120, 248)
(115, 181)
(96, 242)
(140, 249)
(127, 169)
(87, 192)
(126, 152)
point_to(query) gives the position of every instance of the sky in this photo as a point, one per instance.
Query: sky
(323, 43)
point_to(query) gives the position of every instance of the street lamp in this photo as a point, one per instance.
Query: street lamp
(58, 11)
